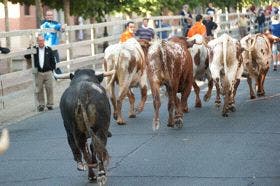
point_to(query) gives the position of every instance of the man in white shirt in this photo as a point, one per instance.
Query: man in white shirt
(44, 61)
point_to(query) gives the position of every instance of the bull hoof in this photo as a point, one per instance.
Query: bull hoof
(225, 114)
(81, 166)
(156, 124)
(232, 108)
(261, 94)
(179, 122)
(115, 116)
(132, 116)
(92, 179)
(109, 134)
(198, 104)
(252, 97)
(186, 110)
(170, 125)
(218, 103)
(206, 98)
(139, 110)
(101, 179)
(121, 123)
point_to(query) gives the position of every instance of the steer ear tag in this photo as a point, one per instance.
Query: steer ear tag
(100, 77)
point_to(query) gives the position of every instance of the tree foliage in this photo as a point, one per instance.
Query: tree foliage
(98, 9)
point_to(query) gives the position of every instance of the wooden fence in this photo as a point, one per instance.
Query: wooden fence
(75, 51)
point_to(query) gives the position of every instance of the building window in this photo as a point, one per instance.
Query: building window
(26, 10)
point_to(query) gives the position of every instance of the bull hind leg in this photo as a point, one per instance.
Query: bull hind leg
(184, 98)
(156, 102)
(131, 98)
(82, 142)
(207, 96)
(197, 98)
(113, 100)
(252, 92)
(99, 150)
(218, 93)
(261, 80)
(226, 99)
(141, 104)
(232, 96)
(75, 150)
(122, 94)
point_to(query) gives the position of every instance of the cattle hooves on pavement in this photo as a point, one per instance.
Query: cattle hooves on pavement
(92, 179)
(121, 123)
(132, 116)
(179, 122)
(232, 109)
(101, 180)
(261, 94)
(81, 166)
(225, 114)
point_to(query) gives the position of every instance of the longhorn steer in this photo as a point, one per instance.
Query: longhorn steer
(86, 112)
(128, 59)
(226, 69)
(257, 59)
(169, 63)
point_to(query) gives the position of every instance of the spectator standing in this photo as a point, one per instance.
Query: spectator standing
(242, 25)
(51, 38)
(145, 32)
(164, 34)
(44, 62)
(129, 32)
(198, 27)
(275, 28)
(210, 26)
(210, 10)
(260, 20)
(186, 21)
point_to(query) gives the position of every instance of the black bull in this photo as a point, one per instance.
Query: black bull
(86, 112)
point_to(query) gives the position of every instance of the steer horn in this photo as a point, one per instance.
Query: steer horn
(61, 76)
(4, 141)
(106, 73)
(109, 73)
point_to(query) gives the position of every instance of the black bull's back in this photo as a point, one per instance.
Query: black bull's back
(92, 98)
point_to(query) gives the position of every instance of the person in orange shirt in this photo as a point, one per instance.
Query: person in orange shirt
(129, 32)
(197, 28)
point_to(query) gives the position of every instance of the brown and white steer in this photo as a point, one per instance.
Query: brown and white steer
(201, 70)
(128, 59)
(257, 59)
(226, 69)
(169, 63)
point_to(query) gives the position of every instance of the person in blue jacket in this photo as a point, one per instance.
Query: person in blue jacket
(51, 38)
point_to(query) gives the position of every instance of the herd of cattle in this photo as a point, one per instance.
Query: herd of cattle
(175, 63)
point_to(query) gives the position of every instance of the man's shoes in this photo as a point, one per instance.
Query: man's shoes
(50, 107)
(41, 108)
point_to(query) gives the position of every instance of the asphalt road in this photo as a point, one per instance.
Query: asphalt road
(243, 149)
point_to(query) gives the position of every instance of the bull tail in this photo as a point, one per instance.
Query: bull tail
(225, 43)
(4, 141)
(98, 145)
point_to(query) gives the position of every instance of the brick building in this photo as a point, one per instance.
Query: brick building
(20, 17)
